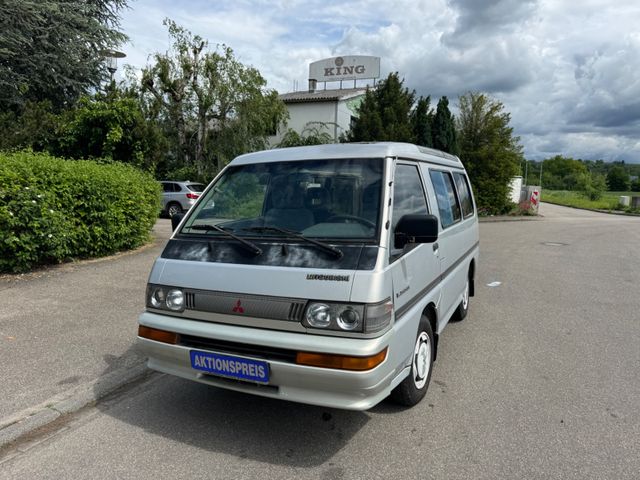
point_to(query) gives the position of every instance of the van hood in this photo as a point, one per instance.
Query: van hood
(290, 270)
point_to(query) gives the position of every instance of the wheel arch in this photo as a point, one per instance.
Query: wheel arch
(472, 276)
(431, 313)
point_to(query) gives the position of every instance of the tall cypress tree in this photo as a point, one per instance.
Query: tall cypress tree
(421, 119)
(444, 128)
(384, 114)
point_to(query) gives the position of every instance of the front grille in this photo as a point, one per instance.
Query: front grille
(258, 306)
(296, 311)
(190, 300)
(242, 349)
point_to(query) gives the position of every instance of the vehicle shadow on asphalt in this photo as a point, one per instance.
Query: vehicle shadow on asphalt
(246, 426)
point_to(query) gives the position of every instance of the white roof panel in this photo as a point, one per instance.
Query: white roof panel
(350, 150)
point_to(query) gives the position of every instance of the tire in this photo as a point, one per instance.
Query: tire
(173, 208)
(463, 308)
(414, 387)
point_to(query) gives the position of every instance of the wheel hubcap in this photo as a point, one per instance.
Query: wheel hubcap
(421, 360)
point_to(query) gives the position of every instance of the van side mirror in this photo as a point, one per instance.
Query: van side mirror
(416, 229)
(175, 220)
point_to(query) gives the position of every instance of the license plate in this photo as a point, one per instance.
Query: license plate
(229, 366)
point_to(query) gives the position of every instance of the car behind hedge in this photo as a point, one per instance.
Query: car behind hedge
(53, 210)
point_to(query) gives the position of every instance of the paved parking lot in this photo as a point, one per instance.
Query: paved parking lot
(540, 381)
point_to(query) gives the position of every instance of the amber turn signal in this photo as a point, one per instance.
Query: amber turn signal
(157, 335)
(340, 362)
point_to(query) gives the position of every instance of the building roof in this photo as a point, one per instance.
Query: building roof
(321, 95)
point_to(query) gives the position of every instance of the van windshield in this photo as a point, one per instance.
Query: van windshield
(329, 199)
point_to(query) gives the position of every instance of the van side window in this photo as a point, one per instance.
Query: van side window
(464, 194)
(446, 196)
(408, 194)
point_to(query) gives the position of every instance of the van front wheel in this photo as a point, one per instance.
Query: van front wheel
(414, 387)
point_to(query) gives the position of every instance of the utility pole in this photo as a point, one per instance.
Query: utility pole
(540, 182)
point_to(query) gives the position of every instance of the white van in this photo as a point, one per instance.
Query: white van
(321, 275)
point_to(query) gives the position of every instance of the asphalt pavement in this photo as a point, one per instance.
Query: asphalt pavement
(66, 332)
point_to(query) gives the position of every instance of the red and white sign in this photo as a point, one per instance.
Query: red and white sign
(535, 198)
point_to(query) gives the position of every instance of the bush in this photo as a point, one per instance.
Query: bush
(52, 210)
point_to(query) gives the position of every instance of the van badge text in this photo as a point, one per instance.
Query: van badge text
(402, 292)
(328, 278)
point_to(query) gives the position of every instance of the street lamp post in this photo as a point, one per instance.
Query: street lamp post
(112, 57)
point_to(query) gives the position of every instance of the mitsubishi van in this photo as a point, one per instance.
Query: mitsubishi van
(321, 275)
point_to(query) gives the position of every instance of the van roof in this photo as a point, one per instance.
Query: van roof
(351, 150)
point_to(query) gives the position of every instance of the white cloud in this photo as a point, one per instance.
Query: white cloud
(567, 71)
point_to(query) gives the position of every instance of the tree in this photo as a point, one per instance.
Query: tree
(33, 128)
(444, 128)
(215, 106)
(490, 152)
(110, 126)
(565, 173)
(421, 120)
(51, 49)
(384, 114)
(313, 133)
(618, 179)
(595, 187)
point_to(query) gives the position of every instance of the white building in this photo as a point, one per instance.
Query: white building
(330, 111)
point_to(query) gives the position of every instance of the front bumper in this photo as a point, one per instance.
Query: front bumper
(288, 381)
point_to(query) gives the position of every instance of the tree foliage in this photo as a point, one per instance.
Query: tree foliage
(385, 113)
(390, 112)
(444, 128)
(618, 179)
(110, 126)
(422, 121)
(564, 173)
(213, 106)
(33, 128)
(52, 49)
(314, 133)
(488, 149)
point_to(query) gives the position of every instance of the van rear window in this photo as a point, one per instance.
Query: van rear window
(464, 194)
(446, 196)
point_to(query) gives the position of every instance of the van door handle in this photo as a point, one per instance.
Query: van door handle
(435, 247)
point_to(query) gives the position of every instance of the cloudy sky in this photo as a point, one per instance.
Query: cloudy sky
(568, 71)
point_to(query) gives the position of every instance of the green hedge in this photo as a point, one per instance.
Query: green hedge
(53, 210)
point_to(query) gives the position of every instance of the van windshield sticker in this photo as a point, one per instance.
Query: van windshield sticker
(328, 278)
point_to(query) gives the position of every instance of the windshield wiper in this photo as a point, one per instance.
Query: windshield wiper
(252, 247)
(290, 233)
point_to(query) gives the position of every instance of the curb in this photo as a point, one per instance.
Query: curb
(27, 421)
(597, 210)
(531, 218)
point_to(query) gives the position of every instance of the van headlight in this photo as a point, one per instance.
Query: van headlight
(165, 298)
(348, 317)
(175, 300)
(319, 315)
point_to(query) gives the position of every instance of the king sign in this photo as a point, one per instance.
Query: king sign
(345, 68)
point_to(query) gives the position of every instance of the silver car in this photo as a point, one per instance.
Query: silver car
(178, 197)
